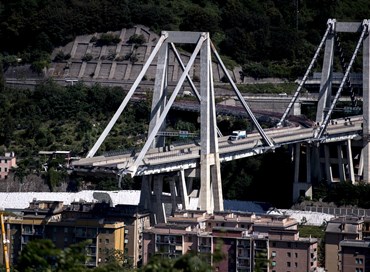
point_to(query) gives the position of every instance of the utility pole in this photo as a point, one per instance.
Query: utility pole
(5, 243)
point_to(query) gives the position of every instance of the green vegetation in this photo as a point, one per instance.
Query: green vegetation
(311, 231)
(268, 88)
(43, 255)
(107, 39)
(137, 39)
(53, 117)
(344, 194)
(315, 232)
(267, 38)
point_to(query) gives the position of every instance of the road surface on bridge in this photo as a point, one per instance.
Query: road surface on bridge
(187, 156)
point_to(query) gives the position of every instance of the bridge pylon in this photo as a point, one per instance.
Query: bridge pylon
(328, 98)
(210, 193)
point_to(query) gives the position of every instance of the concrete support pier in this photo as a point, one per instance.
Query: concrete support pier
(366, 109)
(302, 188)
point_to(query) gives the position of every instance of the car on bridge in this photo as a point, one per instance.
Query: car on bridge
(237, 135)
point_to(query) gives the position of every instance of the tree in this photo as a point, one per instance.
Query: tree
(189, 262)
(73, 258)
(42, 255)
(115, 262)
(20, 172)
(38, 255)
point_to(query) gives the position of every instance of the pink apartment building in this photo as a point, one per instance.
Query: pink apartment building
(6, 163)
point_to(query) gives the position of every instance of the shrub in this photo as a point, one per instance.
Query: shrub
(137, 39)
(60, 56)
(87, 57)
(133, 58)
(120, 58)
(38, 66)
(93, 39)
(108, 39)
(111, 55)
(256, 70)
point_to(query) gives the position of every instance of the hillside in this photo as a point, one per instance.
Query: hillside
(268, 38)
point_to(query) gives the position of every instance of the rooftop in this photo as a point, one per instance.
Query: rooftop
(19, 200)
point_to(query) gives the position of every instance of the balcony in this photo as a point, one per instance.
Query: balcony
(204, 250)
(28, 232)
(91, 250)
(205, 245)
(242, 264)
(80, 234)
(244, 256)
(38, 232)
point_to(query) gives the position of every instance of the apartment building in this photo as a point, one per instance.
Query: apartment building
(289, 252)
(6, 163)
(355, 255)
(347, 244)
(340, 229)
(108, 228)
(249, 242)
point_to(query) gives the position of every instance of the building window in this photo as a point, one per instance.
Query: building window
(289, 254)
(296, 264)
(273, 263)
(106, 241)
(273, 254)
(359, 270)
(6, 169)
(5, 161)
(296, 255)
(288, 264)
(359, 261)
(273, 244)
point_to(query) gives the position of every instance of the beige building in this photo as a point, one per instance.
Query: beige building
(109, 229)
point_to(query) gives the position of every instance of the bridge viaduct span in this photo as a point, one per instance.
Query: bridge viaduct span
(177, 165)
